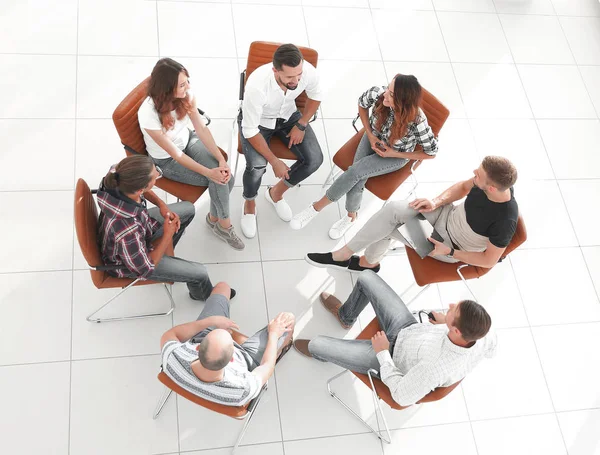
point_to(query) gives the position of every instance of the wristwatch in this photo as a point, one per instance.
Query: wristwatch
(300, 126)
(451, 254)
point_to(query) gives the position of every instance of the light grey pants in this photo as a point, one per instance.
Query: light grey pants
(366, 164)
(196, 150)
(382, 229)
(391, 312)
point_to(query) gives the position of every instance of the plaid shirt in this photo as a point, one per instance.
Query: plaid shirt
(419, 131)
(125, 230)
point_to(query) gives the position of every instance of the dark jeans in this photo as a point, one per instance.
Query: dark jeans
(391, 312)
(176, 269)
(308, 152)
(254, 347)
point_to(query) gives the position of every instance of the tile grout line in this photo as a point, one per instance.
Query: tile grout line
(537, 351)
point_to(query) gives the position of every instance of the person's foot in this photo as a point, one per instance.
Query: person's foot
(355, 266)
(325, 260)
(302, 347)
(281, 207)
(228, 236)
(333, 305)
(211, 224)
(304, 217)
(232, 294)
(340, 227)
(248, 224)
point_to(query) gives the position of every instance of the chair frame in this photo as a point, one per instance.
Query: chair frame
(247, 417)
(376, 405)
(424, 288)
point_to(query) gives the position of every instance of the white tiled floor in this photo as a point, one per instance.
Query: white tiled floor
(521, 78)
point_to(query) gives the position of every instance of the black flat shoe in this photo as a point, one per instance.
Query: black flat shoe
(354, 266)
(325, 260)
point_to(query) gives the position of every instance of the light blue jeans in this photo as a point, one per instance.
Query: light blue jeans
(196, 150)
(366, 164)
(391, 312)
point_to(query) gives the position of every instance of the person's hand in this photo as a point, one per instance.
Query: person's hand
(380, 342)
(281, 324)
(280, 169)
(440, 318)
(296, 136)
(439, 248)
(227, 170)
(218, 175)
(372, 140)
(170, 227)
(384, 151)
(422, 205)
(221, 322)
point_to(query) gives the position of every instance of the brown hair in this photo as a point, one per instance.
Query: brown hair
(407, 97)
(288, 55)
(162, 87)
(473, 320)
(501, 172)
(213, 364)
(131, 174)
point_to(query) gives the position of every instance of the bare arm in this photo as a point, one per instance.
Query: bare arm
(154, 199)
(309, 111)
(204, 133)
(164, 244)
(267, 364)
(487, 258)
(363, 113)
(184, 332)
(454, 193)
(168, 146)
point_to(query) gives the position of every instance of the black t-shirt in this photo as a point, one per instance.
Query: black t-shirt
(495, 220)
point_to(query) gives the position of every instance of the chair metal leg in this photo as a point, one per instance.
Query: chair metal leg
(465, 281)
(331, 177)
(248, 417)
(161, 403)
(376, 405)
(141, 316)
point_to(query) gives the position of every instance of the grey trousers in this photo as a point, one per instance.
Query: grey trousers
(196, 150)
(382, 229)
(366, 164)
(391, 312)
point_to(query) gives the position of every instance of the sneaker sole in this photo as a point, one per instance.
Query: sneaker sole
(270, 201)
(324, 266)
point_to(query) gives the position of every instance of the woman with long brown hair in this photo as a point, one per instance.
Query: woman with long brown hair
(396, 126)
(185, 155)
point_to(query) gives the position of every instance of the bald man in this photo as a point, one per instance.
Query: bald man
(202, 357)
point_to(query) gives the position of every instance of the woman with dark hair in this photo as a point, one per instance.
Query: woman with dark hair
(140, 242)
(184, 155)
(396, 126)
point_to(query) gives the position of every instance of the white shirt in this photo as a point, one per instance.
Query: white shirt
(265, 101)
(149, 119)
(425, 358)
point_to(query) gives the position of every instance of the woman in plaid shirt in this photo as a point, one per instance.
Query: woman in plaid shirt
(396, 126)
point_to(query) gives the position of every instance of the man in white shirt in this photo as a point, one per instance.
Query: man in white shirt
(412, 359)
(269, 109)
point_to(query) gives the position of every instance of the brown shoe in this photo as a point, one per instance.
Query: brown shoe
(333, 305)
(302, 347)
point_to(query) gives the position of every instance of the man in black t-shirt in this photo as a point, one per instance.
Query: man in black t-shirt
(475, 232)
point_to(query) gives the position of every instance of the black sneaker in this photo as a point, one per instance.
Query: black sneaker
(232, 295)
(325, 260)
(354, 266)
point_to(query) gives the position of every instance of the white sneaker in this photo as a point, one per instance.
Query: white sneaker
(248, 224)
(281, 207)
(303, 218)
(340, 227)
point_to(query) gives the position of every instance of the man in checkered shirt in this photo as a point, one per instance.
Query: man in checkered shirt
(413, 359)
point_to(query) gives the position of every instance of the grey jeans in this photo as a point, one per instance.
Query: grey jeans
(196, 150)
(308, 152)
(391, 312)
(366, 164)
(171, 268)
(382, 229)
(253, 348)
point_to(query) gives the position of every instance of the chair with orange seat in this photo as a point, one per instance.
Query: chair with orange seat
(429, 271)
(237, 412)
(86, 226)
(383, 186)
(126, 122)
(261, 53)
(380, 391)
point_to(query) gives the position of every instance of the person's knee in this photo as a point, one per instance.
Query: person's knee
(313, 162)
(187, 211)
(222, 288)
(367, 278)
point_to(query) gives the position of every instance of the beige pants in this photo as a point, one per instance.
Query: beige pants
(382, 229)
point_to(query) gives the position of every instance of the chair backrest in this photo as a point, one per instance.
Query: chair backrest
(434, 110)
(519, 237)
(126, 120)
(382, 390)
(86, 226)
(261, 53)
